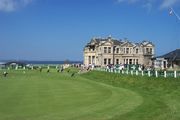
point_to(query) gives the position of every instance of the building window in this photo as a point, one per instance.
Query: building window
(130, 61)
(93, 59)
(89, 59)
(117, 61)
(147, 50)
(137, 50)
(127, 50)
(97, 59)
(126, 61)
(109, 61)
(109, 49)
(105, 61)
(117, 50)
(137, 62)
(105, 49)
(150, 51)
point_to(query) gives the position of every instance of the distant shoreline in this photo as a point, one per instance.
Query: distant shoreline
(42, 62)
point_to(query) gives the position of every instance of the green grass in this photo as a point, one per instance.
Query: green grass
(90, 96)
(161, 96)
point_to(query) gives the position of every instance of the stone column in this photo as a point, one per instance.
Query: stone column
(91, 60)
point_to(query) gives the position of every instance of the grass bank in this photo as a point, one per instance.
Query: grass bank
(161, 96)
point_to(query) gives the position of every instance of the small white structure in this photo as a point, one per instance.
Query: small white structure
(160, 63)
(2, 64)
(169, 60)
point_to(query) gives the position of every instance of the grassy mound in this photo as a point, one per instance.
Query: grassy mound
(161, 96)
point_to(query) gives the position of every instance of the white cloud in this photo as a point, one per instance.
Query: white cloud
(168, 3)
(12, 5)
(119, 1)
(129, 1)
(148, 4)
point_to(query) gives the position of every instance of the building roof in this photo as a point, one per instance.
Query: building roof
(99, 40)
(172, 56)
(145, 42)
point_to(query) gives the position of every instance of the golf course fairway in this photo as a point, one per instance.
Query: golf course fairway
(58, 96)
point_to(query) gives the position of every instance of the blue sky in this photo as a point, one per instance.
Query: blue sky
(59, 29)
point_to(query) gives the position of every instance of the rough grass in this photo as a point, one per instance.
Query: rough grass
(161, 96)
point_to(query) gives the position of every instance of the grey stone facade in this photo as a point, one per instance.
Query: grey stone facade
(104, 51)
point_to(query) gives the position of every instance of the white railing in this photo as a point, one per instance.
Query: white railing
(165, 74)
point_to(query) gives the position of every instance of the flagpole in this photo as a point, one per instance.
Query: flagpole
(178, 19)
(175, 14)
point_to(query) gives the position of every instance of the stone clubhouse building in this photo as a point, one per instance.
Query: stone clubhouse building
(105, 51)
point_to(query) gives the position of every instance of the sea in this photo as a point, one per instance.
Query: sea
(42, 62)
(53, 62)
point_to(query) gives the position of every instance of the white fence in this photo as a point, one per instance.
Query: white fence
(175, 74)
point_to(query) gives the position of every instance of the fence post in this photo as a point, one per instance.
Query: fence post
(175, 74)
(131, 72)
(16, 67)
(165, 74)
(136, 72)
(149, 73)
(156, 73)
(142, 73)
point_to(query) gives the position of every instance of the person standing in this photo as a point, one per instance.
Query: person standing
(5, 74)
